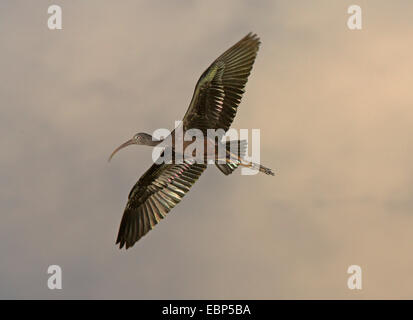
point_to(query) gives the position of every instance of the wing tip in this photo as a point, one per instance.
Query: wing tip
(251, 36)
(125, 243)
(124, 238)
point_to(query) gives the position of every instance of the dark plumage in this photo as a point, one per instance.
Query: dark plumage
(214, 104)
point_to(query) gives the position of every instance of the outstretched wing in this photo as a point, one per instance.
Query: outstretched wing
(153, 196)
(219, 89)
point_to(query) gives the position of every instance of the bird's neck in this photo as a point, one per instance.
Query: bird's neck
(154, 142)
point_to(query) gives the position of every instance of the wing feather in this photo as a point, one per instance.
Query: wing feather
(153, 196)
(220, 88)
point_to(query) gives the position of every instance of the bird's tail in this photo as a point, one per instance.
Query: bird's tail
(235, 149)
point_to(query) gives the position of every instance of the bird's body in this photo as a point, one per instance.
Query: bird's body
(214, 104)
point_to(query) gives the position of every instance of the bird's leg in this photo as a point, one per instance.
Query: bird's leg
(238, 158)
(257, 166)
(247, 165)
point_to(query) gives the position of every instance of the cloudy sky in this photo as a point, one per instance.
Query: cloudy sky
(334, 107)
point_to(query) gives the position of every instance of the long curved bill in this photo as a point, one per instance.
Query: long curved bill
(123, 145)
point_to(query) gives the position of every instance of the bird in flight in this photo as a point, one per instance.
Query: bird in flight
(214, 104)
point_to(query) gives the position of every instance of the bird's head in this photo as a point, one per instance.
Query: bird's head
(142, 138)
(139, 138)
